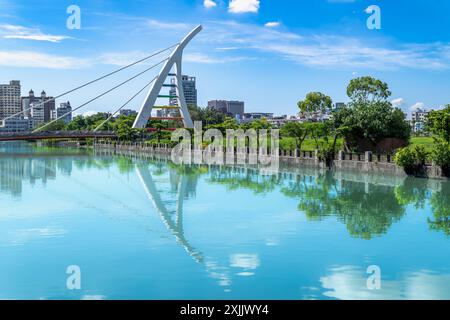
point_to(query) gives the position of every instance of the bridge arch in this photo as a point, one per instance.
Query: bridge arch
(175, 61)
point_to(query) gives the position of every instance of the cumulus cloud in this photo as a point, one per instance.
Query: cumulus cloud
(19, 32)
(418, 105)
(398, 102)
(208, 4)
(272, 24)
(244, 6)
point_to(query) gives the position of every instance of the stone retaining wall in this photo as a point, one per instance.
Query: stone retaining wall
(363, 163)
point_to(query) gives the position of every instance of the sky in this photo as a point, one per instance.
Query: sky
(268, 53)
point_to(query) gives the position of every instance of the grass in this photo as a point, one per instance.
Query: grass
(426, 142)
(308, 144)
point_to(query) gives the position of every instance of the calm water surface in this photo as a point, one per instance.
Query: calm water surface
(147, 229)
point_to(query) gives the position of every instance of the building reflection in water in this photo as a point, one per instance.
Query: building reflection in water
(19, 168)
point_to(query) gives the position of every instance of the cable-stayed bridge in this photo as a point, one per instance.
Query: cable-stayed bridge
(171, 66)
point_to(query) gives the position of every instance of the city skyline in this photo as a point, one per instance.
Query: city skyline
(248, 48)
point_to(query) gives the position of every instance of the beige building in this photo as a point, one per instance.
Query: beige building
(10, 101)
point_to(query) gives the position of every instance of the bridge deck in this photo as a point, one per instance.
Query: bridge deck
(47, 135)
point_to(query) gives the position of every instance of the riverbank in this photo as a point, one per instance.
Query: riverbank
(363, 163)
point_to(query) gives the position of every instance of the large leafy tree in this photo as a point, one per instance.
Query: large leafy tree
(366, 90)
(314, 102)
(438, 123)
(370, 115)
(207, 116)
(298, 131)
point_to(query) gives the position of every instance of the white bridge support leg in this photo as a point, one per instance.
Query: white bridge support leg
(175, 60)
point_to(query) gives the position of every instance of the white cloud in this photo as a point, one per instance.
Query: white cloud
(88, 113)
(168, 25)
(208, 4)
(245, 261)
(398, 102)
(30, 59)
(350, 283)
(272, 24)
(244, 6)
(205, 59)
(19, 32)
(326, 51)
(418, 105)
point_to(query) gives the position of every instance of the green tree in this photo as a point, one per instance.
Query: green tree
(260, 124)
(441, 155)
(55, 126)
(159, 133)
(370, 116)
(368, 90)
(78, 123)
(438, 123)
(298, 131)
(412, 159)
(126, 132)
(314, 102)
(229, 123)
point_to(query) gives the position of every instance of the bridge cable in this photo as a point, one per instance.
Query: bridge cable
(125, 104)
(93, 81)
(99, 96)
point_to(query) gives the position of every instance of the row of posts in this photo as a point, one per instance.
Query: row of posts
(368, 156)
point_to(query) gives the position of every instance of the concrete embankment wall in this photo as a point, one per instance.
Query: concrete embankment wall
(362, 163)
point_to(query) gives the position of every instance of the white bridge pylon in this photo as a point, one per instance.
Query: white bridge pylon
(175, 60)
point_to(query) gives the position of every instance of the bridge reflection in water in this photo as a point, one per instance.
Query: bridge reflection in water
(176, 227)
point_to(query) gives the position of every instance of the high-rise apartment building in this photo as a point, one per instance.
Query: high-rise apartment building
(10, 99)
(65, 111)
(189, 89)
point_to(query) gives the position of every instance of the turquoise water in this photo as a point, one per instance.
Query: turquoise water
(147, 229)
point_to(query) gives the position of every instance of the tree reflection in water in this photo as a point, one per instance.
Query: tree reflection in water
(367, 210)
(367, 204)
(440, 205)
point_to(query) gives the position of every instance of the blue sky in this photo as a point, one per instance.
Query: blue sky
(269, 53)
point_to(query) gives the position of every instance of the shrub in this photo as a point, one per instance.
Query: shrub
(441, 156)
(412, 159)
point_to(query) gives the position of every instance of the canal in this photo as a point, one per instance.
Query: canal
(149, 229)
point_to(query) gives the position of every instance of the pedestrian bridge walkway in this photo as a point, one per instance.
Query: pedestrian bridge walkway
(47, 135)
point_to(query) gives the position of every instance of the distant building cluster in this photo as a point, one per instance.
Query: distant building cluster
(234, 109)
(418, 120)
(23, 113)
(28, 112)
